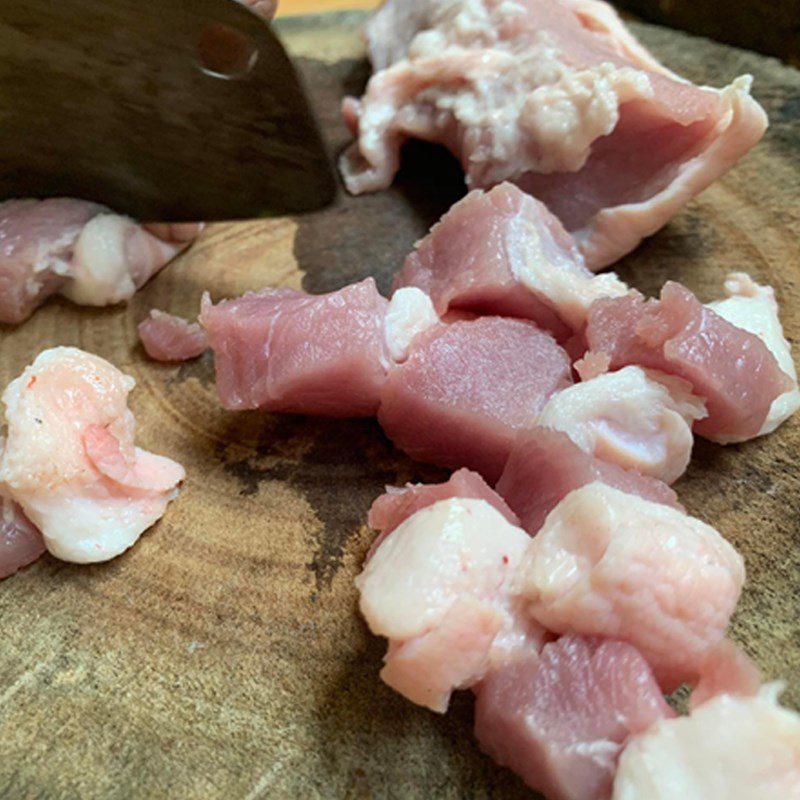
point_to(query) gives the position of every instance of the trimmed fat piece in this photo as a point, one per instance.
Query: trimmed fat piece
(437, 588)
(546, 465)
(78, 249)
(166, 337)
(502, 252)
(21, 542)
(410, 313)
(70, 461)
(634, 418)
(731, 369)
(467, 389)
(753, 308)
(283, 350)
(608, 563)
(397, 504)
(737, 748)
(560, 720)
(555, 96)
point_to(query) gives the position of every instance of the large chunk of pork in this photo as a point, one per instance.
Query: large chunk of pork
(438, 589)
(545, 465)
(554, 95)
(609, 563)
(634, 418)
(502, 252)
(77, 249)
(467, 389)
(560, 720)
(733, 370)
(283, 350)
(70, 461)
(737, 748)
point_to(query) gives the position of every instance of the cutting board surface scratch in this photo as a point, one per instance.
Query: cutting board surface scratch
(223, 655)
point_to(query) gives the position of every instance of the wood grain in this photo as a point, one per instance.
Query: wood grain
(222, 657)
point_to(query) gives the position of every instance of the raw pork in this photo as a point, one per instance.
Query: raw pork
(466, 390)
(77, 249)
(608, 563)
(70, 461)
(546, 465)
(560, 720)
(21, 542)
(437, 588)
(283, 350)
(502, 252)
(732, 369)
(731, 747)
(554, 95)
(754, 309)
(166, 337)
(394, 507)
(410, 313)
(634, 418)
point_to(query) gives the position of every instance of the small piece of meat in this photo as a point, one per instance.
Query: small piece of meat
(438, 589)
(502, 252)
(74, 248)
(21, 542)
(753, 308)
(397, 504)
(555, 96)
(467, 389)
(166, 337)
(732, 369)
(737, 748)
(283, 350)
(70, 461)
(608, 563)
(560, 720)
(546, 465)
(634, 418)
(726, 669)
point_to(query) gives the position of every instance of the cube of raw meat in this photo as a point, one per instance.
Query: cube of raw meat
(502, 252)
(545, 465)
(21, 542)
(467, 389)
(166, 337)
(608, 563)
(560, 720)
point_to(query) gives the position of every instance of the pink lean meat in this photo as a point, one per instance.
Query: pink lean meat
(731, 369)
(546, 465)
(70, 461)
(502, 252)
(468, 388)
(166, 337)
(554, 95)
(560, 720)
(394, 507)
(608, 563)
(20, 541)
(437, 588)
(77, 249)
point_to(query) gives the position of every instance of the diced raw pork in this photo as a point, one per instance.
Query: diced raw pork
(634, 418)
(608, 563)
(283, 350)
(410, 313)
(554, 95)
(546, 465)
(394, 507)
(437, 588)
(502, 252)
(731, 747)
(726, 669)
(561, 720)
(467, 388)
(77, 249)
(70, 461)
(732, 369)
(754, 309)
(21, 542)
(166, 337)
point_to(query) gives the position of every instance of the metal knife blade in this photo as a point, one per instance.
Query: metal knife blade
(174, 110)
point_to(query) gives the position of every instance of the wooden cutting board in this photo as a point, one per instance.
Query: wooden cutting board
(222, 657)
